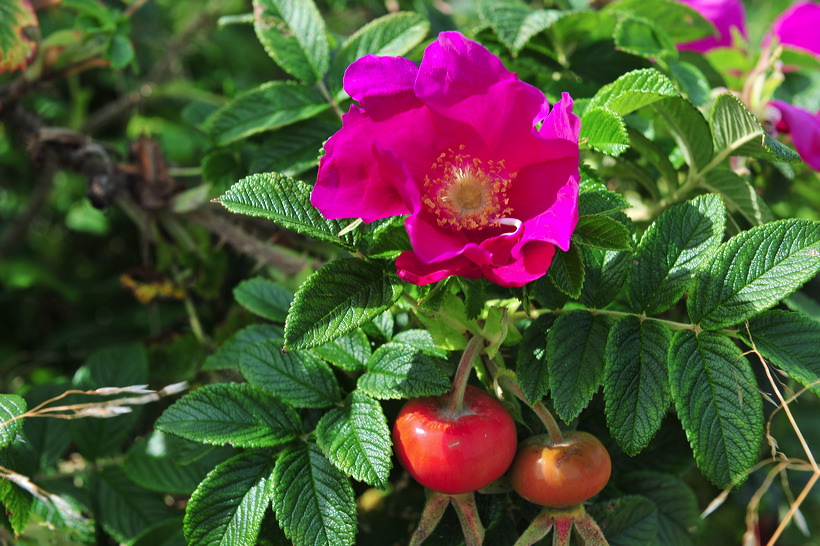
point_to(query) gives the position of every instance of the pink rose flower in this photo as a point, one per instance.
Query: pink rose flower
(797, 27)
(804, 128)
(486, 173)
(724, 15)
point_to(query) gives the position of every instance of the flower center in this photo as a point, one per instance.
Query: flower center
(466, 192)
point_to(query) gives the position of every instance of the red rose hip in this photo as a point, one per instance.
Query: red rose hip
(455, 454)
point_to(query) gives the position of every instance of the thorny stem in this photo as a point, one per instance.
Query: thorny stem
(454, 407)
(467, 513)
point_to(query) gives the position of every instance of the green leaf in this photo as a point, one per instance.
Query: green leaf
(125, 509)
(605, 131)
(313, 500)
(12, 406)
(293, 150)
(678, 513)
(228, 354)
(356, 439)
(604, 274)
(567, 272)
(19, 33)
(299, 378)
(689, 128)
(340, 297)
(15, 504)
(531, 365)
(600, 202)
(515, 24)
(790, 341)
(715, 393)
(120, 51)
(239, 414)
(636, 386)
(350, 352)
(448, 333)
(392, 35)
(671, 250)
(602, 231)
(117, 366)
(397, 370)
(228, 506)
(294, 35)
(628, 520)
(753, 271)
(633, 90)
(287, 202)
(737, 131)
(422, 340)
(655, 155)
(48, 438)
(575, 356)
(641, 36)
(692, 82)
(264, 297)
(739, 195)
(680, 22)
(270, 106)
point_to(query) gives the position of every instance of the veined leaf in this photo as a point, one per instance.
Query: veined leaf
(313, 500)
(641, 36)
(689, 128)
(575, 357)
(294, 35)
(264, 297)
(602, 231)
(11, 407)
(604, 274)
(397, 370)
(228, 354)
(567, 271)
(754, 270)
(287, 202)
(636, 384)
(228, 506)
(739, 195)
(655, 155)
(337, 299)
(791, 342)
(291, 150)
(715, 393)
(600, 202)
(270, 106)
(678, 513)
(515, 23)
(299, 378)
(628, 520)
(422, 340)
(392, 35)
(605, 131)
(356, 439)
(531, 366)
(692, 82)
(231, 413)
(350, 352)
(680, 22)
(633, 90)
(670, 251)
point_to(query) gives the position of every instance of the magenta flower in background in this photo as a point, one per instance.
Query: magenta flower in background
(724, 15)
(804, 128)
(799, 27)
(455, 145)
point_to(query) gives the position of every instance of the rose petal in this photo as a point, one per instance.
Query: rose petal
(724, 15)
(804, 128)
(414, 271)
(797, 27)
(533, 264)
(383, 86)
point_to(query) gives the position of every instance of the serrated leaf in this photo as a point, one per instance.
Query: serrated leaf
(600, 202)
(739, 195)
(680, 22)
(531, 365)
(715, 393)
(447, 334)
(19, 33)
(678, 513)
(15, 507)
(689, 129)
(575, 356)
(633, 90)
(350, 352)
(753, 271)
(228, 354)
(48, 438)
(737, 131)
(422, 340)
(641, 36)
(228, 506)
(294, 35)
(604, 131)
(293, 150)
(340, 297)
(239, 414)
(287, 202)
(270, 106)
(655, 155)
(116, 366)
(636, 384)
(515, 23)
(264, 297)
(567, 272)
(356, 439)
(692, 82)
(397, 370)
(602, 231)
(791, 342)
(628, 520)
(671, 250)
(12, 406)
(604, 274)
(392, 35)
(313, 500)
(125, 509)
(298, 378)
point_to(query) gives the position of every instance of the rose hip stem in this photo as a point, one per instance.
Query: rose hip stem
(462, 374)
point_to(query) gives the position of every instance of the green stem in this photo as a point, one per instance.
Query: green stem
(538, 529)
(330, 100)
(589, 530)
(455, 406)
(467, 512)
(433, 510)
